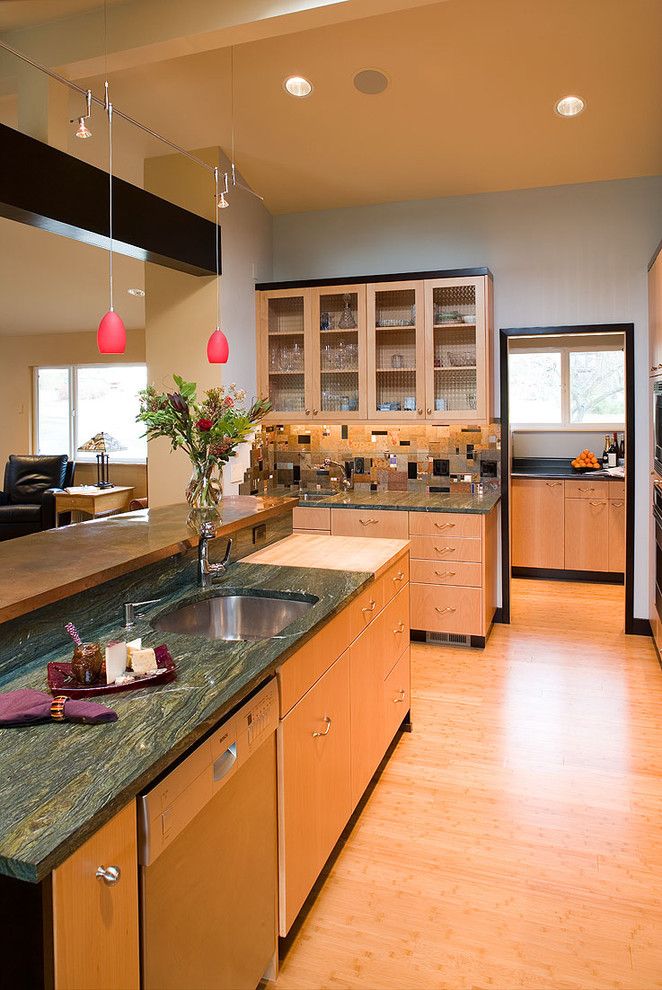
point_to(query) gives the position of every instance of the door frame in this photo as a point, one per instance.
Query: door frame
(632, 626)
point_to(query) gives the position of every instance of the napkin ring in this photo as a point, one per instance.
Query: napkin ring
(57, 708)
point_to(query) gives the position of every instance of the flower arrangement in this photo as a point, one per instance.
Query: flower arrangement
(208, 430)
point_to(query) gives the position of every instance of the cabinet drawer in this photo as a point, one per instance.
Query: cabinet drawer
(445, 548)
(440, 609)
(444, 524)
(393, 625)
(395, 578)
(433, 572)
(300, 671)
(311, 519)
(365, 608)
(586, 488)
(397, 696)
(389, 523)
(617, 489)
(315, 791)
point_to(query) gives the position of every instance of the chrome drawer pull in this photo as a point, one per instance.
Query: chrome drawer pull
(553, 484)
(617, 505)
(445, 525)
(445, 549)
(445, 574)
(109, 874)
(371, 607)
(398, 701)
(586, 489)
(400, 629)
(596, 503)
(441, 611)
(368, 522)
(399, 577)
(317, 735)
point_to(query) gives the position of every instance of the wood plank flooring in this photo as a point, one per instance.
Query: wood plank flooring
(515, 837)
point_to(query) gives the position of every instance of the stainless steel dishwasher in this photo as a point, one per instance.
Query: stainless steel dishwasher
(208, 859)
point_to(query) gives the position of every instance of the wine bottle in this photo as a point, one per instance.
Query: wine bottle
(612, 455)
(605, 452)
(621, 449)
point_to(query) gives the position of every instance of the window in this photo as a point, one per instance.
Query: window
(73, 403)
(567, 386)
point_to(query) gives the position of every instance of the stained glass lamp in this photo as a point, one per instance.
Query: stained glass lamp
(102, 443)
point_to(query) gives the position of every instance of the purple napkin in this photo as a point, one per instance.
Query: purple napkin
(27, 707)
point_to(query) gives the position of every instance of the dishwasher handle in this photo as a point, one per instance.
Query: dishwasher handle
(225, 762)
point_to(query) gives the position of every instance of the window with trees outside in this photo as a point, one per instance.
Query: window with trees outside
(567, 386)
(73, 402)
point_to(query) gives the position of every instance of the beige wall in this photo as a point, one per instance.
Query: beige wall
(19, 354)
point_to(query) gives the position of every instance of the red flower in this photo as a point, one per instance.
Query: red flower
(228, 401)
(204, 425)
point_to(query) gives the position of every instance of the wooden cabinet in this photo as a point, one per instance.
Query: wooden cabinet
(366, 709)
(458, 335)
(538, 510)
(447, 609)
(397, 351)
(586, 488)
(389, 523)
(95, 922)
(311, 520)
(396, 696)
(655, 314)
(315, 799)
(616, 539)
(587, 534)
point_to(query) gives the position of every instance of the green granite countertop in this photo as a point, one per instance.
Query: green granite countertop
(63, 782)
(407, 501)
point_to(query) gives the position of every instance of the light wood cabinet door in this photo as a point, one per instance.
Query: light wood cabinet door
(314, 794)
(389, 523)
(455, 524)
(457, 340)
(445, 549)
(396, 351)
(447, 609)
(95, 923)
(339, 359)
(284, 353)
(617, 535)
(313, 519)
(396, 697)
(537, 520)
(366, 680)
(587, 534)
(655, 315)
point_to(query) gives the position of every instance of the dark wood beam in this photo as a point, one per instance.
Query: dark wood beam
(47, 188)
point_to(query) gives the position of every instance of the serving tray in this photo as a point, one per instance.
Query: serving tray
(61, 680)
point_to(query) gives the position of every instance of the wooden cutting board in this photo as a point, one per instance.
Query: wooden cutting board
(338, 553)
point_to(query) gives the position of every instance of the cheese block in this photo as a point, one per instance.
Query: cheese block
(143, 661)
(116, 659)
(135, 644)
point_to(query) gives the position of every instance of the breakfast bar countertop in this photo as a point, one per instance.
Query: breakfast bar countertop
(556, 468)
(408, 501)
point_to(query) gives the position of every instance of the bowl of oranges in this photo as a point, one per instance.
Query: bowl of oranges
(586, 461)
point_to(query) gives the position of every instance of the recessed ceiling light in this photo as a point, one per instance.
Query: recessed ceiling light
(136, 292)
(298, 86)
(570, 106)
(370, 81)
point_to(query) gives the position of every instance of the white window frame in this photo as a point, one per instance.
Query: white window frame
(565, 426)
(73, 453)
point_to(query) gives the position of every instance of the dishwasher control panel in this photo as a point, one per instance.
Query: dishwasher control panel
(261, 714)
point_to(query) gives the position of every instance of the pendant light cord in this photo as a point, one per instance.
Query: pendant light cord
(109, 109)
(218, 267)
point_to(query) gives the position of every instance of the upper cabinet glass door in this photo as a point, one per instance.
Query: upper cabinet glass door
(396, 350)
(456, 350)
(339, 360)
(285, 352)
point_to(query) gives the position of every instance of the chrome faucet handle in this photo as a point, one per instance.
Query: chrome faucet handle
(131, 610)
(226, 556)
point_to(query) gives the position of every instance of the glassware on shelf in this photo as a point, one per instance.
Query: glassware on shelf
(326, 321)
(297, 357)
(397, 361)
(341, 356)
(352, 356)
(347, 320)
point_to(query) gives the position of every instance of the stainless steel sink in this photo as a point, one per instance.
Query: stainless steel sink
(235, 617)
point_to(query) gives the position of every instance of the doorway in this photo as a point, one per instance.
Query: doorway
(565, 421)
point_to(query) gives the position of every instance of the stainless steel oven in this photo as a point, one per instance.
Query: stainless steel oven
(657, 518)
(657, 425)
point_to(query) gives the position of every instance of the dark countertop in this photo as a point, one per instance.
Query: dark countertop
(554, 467)
(46, 567)
(408, 502)
(63, 782)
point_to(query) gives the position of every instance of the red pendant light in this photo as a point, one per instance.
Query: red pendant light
(218, 349)
(111, 335)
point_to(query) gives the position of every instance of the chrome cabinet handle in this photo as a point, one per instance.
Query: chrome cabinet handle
(399, 576)
(371, 607)
(398, 701)
(553, 484)
(420, 412)
(368, 522)
(429, 412)
(445, 549)
(109, 874)
(586, 489)
(445, 574)
(307, 412)
(317, 735)
(441, 611)
(591, 502)
(400, 629)
(315, 412)
(445, 525)
(617, 505)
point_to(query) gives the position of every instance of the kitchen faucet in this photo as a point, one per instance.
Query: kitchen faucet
(206, 571)
(346, 479)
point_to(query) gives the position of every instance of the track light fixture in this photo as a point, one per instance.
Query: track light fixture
(83, 132)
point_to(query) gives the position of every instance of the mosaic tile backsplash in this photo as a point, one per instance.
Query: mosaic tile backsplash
(416, 458)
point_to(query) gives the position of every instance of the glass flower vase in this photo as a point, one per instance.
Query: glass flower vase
(203, 494)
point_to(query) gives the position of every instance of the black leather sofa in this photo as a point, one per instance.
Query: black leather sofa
(27, 503)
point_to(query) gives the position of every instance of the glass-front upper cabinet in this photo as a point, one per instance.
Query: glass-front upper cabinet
(339, 352)
(457, 334)
(285, 353)
(396, 350)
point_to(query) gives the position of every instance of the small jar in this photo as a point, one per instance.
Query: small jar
(86, 663)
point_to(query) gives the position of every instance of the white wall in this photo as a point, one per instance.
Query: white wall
(551, 444)
(562, 255)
